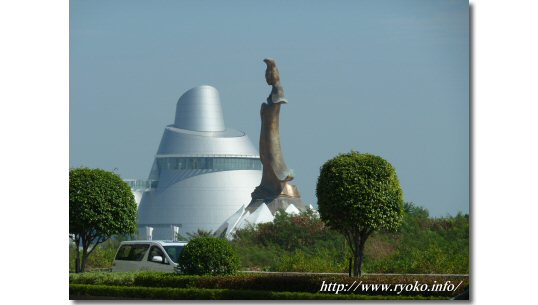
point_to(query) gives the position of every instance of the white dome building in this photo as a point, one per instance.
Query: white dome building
(203, 172)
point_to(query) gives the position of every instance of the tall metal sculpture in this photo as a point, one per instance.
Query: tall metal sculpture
(274, 190)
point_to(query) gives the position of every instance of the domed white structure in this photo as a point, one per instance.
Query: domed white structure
(203, 172)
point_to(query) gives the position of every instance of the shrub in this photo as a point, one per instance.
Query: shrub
(320, 261)
(103, 278)
(301, 241)
(311, 283)
(80, 291)
(423, 244)
(102, 257)
(426, 245)
(258, 257)
(208, 255)
(267, 282)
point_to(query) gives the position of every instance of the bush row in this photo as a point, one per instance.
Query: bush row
(271, 282)
(304, 243)
(82, 291)
(292, 283)
(103, 278)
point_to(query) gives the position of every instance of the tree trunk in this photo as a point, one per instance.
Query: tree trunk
(355, 265)
(360, 261)
(358, 254)
(84, 258)
(357, 240)
(360, 250)
(77, 258)
(357, 260)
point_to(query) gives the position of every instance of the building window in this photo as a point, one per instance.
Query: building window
(214, 163)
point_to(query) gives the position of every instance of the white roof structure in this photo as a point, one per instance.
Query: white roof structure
(292, 209)
(243, 218)
(261, 215)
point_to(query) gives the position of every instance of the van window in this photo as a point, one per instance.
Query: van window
(132, 252)
(173, 252)
(155, 251)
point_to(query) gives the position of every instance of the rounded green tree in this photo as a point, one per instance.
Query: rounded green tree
(208, 255)
(357, 195)
(100, 205)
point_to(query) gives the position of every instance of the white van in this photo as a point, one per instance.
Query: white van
(147, 255)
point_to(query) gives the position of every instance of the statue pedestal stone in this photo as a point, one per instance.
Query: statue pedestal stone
(275, 204)
(289, 195)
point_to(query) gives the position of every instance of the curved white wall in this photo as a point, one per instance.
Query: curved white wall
(203, 201)
(197, 198)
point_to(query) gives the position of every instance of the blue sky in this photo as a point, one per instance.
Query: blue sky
(384, 77)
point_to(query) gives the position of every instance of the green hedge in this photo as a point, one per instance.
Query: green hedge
(265, 282)
(103, 278)
(82, 291)
(292, 283)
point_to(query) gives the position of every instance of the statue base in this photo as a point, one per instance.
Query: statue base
(288, 195)
(276, 204)
(263, 207)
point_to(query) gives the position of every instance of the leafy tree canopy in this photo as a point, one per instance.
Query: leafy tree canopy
(357, 195)
(357, 190)
(100, 205)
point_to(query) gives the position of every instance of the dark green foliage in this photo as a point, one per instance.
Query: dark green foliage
(100, 205)
(83, 292)
(292, 283)
(357, 195)
(241, 284)
(102, 257)
(290, 232)
(208, 255)
(426, 245)
(421, 245)
(104, 278)
(357, 190)
(292, 243)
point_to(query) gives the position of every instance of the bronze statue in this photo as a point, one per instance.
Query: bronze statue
(273, 79)
(274, 189)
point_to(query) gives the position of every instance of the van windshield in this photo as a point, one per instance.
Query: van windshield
(132, 252)
(173, 252)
